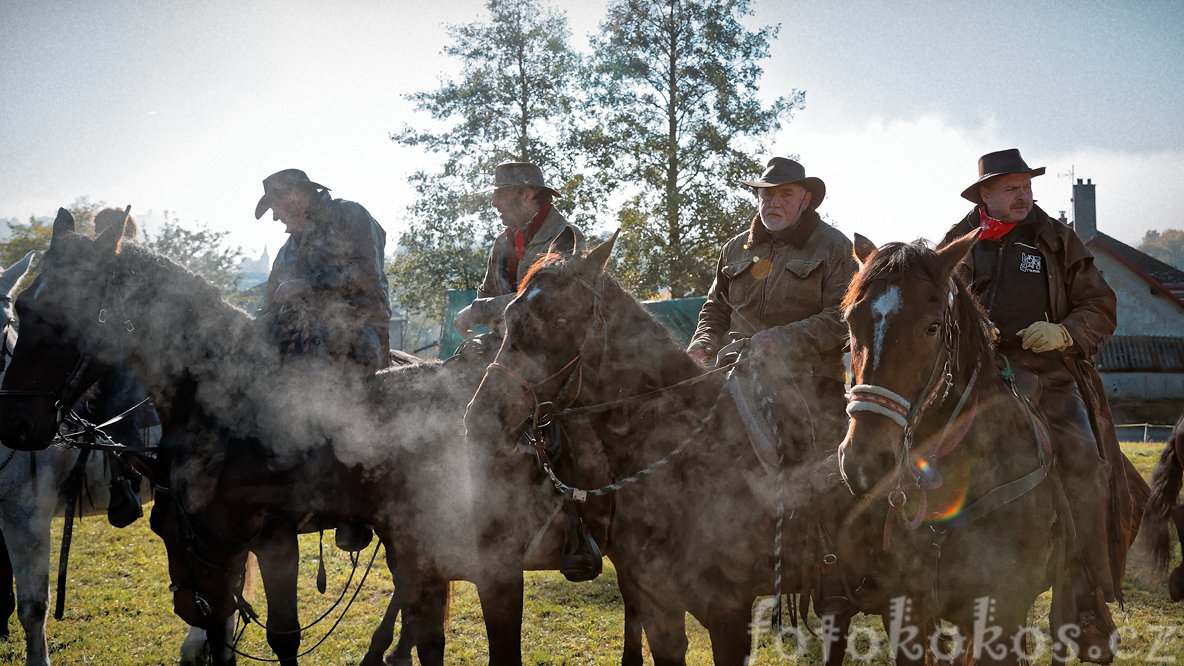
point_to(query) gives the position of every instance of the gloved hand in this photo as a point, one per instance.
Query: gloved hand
(703, 354)
(1043, 336)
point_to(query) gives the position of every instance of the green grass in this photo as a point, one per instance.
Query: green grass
(118, 610)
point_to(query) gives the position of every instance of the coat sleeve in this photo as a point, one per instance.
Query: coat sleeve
(1093, 307)
(716, 314)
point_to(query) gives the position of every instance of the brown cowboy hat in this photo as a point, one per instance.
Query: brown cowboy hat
(280, 182)
(782, 171)
(520, 174)
(998, 163)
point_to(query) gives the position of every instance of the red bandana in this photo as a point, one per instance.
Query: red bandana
(992, 229)
(520, 239)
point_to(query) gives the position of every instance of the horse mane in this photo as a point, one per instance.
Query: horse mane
(894, 260)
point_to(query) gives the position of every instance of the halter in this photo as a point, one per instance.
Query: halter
(906, 414)
(885, 402)
(72, 384)
(541, 414)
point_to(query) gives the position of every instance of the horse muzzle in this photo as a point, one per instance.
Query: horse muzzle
(20, 431)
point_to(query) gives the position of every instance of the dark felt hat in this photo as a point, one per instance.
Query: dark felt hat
(282, 181)
(782, 171)
(998, 163)
(520, 174)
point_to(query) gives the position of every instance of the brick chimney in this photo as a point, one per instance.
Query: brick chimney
(1085, 211)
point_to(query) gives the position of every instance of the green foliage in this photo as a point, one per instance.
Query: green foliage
(513, 89)
(671, 121)
(201, 250)
(37, 232)
(1167, 246)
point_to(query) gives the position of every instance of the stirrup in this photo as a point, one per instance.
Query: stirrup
(581, 560)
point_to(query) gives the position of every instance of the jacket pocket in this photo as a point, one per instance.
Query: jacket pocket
(802, 268)
(737, 268)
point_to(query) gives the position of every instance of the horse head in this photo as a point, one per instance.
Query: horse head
(553, 316)
(71, 333)
(914, 330)
(205, 565)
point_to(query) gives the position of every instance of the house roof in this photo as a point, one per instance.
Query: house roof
(1166, 278)
(1142, 353)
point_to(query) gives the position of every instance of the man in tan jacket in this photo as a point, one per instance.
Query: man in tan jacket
(780, 282)
(523, 201)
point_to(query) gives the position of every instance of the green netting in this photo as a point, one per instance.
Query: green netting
(679, 315)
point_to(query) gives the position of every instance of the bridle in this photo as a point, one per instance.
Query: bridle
(905, 413)
(111, 309)
(573, 369)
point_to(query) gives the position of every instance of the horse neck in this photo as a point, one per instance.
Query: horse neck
(639, 358)
(184, 330)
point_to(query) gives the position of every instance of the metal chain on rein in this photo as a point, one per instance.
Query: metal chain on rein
(581, 495)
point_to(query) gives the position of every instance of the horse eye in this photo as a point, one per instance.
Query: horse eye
(561, 323)
(934, 328)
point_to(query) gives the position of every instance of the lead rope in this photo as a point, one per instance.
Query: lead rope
(766, 406)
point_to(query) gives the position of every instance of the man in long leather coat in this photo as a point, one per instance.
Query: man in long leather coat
(327, 295)
(523, 201)
(1053, 310)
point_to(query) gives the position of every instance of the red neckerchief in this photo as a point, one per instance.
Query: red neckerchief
(520, 239)
(992, 229)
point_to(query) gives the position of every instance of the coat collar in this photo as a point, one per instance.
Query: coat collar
(798, 236)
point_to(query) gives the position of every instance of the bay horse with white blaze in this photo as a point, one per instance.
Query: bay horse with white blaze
(945, 449)
(1162, 508)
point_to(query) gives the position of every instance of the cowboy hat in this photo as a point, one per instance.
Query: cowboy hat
(783, 171)
(282, 181)
(998, 163)
(520, 174)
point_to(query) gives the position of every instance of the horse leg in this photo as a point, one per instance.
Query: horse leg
(501, 603)
(29, 552)
(1176, 578)
(426, 627)
(730, 640)
(384, 634)
(219, 639)
(631, 652)
(666, 630)
(7, 598)
(279, 556)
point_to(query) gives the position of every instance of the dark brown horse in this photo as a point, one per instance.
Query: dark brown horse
(255, 443)
(696, 521)
(1162, 508)
(943, 447)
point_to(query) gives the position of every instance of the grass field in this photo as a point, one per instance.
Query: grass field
(118, 611)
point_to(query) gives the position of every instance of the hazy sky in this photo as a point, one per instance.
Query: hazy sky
(187, 106)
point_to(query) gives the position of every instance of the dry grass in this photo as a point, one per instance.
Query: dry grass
(118, 610)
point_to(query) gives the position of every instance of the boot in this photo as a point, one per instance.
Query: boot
(124, 508)
(581, 559)
(1099, 638)
(353, 536)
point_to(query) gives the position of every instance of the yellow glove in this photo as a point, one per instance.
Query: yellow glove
(1043, 336)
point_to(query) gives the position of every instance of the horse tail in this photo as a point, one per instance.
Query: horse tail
(1166, 482)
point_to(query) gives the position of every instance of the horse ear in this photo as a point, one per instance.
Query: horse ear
(949, 256)
(564, 243)
(62, 224)
(863, 248)
(599, 256)
(14, 273)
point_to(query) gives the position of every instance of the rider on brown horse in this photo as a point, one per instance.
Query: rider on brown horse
(1053, 310)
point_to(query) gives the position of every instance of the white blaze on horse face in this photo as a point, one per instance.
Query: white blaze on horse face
(885, 305)
(532, 293)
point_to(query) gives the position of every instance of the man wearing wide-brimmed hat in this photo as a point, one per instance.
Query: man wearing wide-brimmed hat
(1053, 310)
(780, 281)
(327, 295)
(524, 203)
